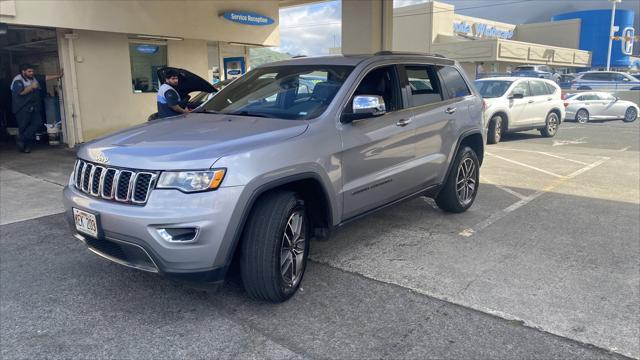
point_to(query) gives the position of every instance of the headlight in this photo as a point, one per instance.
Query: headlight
(191, 181)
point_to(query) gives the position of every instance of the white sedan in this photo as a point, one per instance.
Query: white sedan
(586, 106)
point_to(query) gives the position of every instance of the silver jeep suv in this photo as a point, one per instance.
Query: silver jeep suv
(282, 155)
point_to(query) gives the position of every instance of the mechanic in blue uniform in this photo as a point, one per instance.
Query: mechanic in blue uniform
(168, 98)
(27, 98)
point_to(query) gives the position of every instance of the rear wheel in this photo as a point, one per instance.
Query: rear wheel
(461, 188)
(495, 130)
(582, 116)
(551, 128)
(275, 247)
(631, 114)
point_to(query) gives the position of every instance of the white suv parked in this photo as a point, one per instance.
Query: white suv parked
(515, 104)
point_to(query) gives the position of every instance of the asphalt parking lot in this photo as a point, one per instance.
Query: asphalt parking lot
(544, 265)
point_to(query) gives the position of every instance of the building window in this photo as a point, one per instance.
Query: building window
(146, 59)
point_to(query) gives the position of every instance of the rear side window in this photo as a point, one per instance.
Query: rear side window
(522, 88)
(423, 84)
(538, 88)
(597, 77)
(550, 88)
(453, 84)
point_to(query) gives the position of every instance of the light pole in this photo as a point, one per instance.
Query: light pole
(611, 31)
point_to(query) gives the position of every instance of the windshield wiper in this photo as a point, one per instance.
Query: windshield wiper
(208, 111)
(248, 113)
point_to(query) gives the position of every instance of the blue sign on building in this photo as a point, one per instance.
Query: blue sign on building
(248, 18)
(594, 35)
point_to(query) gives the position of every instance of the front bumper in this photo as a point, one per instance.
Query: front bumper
(130, 236)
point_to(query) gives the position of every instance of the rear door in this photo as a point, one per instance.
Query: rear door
(539, 104)
(433, 111)
(611, 108)
(378, 152)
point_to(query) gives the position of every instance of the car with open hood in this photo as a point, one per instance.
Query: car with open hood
(193, 89)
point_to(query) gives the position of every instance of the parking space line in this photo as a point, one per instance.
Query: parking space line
(527, 166)
(503, 188)
(547, 154)
(518, 204)
(625, 148)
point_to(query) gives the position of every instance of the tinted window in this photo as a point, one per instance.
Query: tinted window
(492, 88)
(522, 88)
(525, 68)
(382, 82)
(454, 84)
(423, 83)
(588, 97)
(538, 88)
(597, 77)
(550, 88)
(287, 92)
(618, 77)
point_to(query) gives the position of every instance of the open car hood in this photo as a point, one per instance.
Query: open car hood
(187, 82)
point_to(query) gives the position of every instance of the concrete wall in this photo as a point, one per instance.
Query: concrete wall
(564, 33)
(189, 19)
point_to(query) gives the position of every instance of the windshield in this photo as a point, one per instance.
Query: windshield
(492, 88)
(289, 92)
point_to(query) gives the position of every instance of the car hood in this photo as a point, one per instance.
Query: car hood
(194, 141)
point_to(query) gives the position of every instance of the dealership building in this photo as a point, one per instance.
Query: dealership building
(110, 50)
(435, 27)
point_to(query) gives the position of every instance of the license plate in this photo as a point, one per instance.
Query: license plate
(86, 223)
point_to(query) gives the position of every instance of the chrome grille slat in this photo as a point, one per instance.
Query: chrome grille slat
(121, 185)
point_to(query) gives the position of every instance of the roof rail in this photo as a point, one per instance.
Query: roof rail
(387, 52)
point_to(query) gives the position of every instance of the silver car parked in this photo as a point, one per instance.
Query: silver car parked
(593, 105)
(272, 161)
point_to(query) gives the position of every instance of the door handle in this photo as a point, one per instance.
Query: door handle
(450, 110)
(530, 101)
(403, 122)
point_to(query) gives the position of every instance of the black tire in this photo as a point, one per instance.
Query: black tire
(582, 119)
(630, 115)
(262, 247)
(449, 199)
(494, 134)
(552, 125)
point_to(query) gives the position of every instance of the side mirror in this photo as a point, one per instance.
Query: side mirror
(516, 96)
(365, 106)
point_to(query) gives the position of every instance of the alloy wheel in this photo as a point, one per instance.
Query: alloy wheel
(582, 116)
(498, 128)
(466, 181)
(292, 251)
(552, 123)
(630, 114)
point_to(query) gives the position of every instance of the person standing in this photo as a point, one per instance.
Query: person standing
(26, 102)
(479, 70)
(168, 98)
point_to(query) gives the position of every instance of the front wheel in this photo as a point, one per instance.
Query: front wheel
(275, 247)
(460, 190)
(631, 114)
(551, 127)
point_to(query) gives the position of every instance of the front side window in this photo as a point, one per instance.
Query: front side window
(146, 60)
(522, 88)
(423, 84)
(383, 82)
(492, 88)
(605, 96)
(454, 83)
(295, 92)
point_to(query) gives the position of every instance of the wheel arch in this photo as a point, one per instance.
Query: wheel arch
(575, 117)
(557, 112)
(317, 201)
(471, 138)
(505, 119)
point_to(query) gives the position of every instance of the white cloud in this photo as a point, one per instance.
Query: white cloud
(310, 30)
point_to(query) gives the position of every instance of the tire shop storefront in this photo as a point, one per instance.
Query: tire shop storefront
(110, 52)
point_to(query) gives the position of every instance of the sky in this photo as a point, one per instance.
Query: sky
(313, 29)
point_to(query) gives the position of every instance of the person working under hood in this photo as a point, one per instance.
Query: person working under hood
(168, 98)
(28, 91)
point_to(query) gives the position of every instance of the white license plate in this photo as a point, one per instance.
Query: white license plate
(86, 223)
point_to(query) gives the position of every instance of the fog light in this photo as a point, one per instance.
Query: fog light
(178, 235)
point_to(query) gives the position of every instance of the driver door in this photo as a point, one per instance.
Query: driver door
(378, 150)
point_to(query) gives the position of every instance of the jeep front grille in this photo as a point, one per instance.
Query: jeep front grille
(121, 185)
